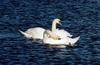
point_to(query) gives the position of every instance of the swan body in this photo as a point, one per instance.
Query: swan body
(35, 33)
(63, 41)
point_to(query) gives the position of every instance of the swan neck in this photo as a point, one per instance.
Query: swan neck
(53, 26)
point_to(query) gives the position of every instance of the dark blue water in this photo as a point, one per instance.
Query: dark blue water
(79, 17)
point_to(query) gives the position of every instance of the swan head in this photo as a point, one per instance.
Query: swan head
(57, 21)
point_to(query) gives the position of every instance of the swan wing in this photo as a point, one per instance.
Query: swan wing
(62, 33)
(36, 33)
(72, 41)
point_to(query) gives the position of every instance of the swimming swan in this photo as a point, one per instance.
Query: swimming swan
(37, 32)
(64, 37)
(62, 41)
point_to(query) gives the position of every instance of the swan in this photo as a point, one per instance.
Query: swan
(37, 32)
(63, 37)
(62, 41)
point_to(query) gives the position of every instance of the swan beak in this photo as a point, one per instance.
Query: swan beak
(59, 23)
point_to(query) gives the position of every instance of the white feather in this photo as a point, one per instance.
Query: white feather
(63, 41)
(35, 33)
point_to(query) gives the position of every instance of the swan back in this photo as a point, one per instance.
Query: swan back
(35, 33)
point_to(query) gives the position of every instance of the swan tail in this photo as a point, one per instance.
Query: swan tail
(25, 34)
(72, 41)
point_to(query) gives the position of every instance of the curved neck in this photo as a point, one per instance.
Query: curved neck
(53, 26)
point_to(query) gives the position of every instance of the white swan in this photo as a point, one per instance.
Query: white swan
(64, 38)
(37, 32)
(62, 41)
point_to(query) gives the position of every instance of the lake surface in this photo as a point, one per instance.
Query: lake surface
(79, 17)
